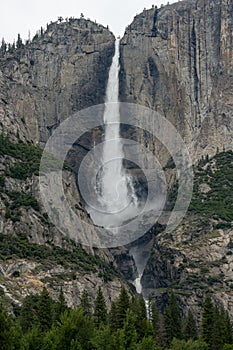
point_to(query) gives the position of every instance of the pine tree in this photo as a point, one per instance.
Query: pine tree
(216, 325)
(141, 308)
(113, 323)
(5, 325)
(28, 314)
(100, 311)
(147, 343)
(3, 48)
(9, 334)
(221, 329)
(190, 327)
(218, 335)
(228, 329)
(11, 48)
(75, 345)
(85, 303)
(122, 305)
(103, 339)
(60, 306)
(19, 42)
(172, 320)
(45, 311)
(32, 340)
(74, 329)
(128, 335)
(155, 317)
(160, 332)
(207, 325)
(228, 347)
(189, 345)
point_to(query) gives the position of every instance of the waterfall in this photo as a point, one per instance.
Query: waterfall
(116, 195)
(141, 255)
(114, 187)
(138, 284)
(114, 180)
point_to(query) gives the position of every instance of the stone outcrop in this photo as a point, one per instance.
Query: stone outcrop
(58, 73)
(178, 61)
(22, 277)
(22, 274)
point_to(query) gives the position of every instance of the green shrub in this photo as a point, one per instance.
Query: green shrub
(23, 151)
(2, 181)
(29, 157)
(213, 280)
(22, 170)
(230, 245)
(217, 203)
(223, 225)
(21, 199)
(204, 270)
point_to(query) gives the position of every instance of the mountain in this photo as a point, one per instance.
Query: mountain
(176, 60)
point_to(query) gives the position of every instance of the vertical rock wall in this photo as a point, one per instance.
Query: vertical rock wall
(178, 61)
(62, 70)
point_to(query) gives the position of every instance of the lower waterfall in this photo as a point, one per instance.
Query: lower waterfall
(138, 284)
(141, 256)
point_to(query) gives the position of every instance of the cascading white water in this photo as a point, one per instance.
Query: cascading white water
(138, 284)
(141, 255)
(117, 199)
(114, 180)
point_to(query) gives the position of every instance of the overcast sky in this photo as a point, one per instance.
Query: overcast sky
(20, 16)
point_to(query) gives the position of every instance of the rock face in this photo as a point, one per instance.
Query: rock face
(58, 73)
(22, 277)
(196, 257)
(57, 261)
(194, 260)
(62, 71)
(178, 61)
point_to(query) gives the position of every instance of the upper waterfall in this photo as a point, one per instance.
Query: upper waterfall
(114, 180)
(117, 199)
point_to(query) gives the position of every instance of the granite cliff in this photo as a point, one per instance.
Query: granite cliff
(62, 70)
(177, 60)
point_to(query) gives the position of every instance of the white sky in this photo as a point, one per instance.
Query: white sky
(20, 16)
